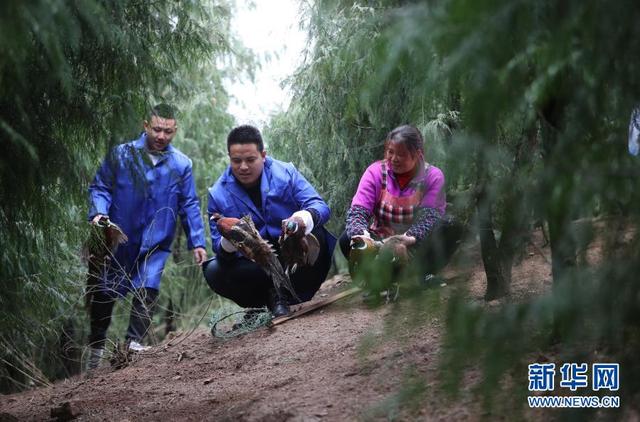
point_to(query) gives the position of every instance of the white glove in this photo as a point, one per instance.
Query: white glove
(307, 218)
(227, 246)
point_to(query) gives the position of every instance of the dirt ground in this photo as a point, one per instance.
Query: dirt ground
(345, 361)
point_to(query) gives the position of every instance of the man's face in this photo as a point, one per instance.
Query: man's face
(246, 163)
(160, 133)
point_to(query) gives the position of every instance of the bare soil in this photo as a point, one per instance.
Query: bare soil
(345, 361)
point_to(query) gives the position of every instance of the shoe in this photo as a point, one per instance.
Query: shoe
(137, 347)
(95, 357)
(277, 304)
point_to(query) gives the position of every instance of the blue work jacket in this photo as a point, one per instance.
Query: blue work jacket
(145, 200)
(284, 191)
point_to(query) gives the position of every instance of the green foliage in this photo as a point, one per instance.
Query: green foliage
(338, 118)
(524, 105)
(557, 66)
(77, 77)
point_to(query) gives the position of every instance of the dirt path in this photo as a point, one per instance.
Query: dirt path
(344, 362)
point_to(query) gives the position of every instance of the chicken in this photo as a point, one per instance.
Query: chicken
(242, 233)
(362, 248)
(296, 248)
(365, 245)
(394, 247)
(98, 251)
(397, 245)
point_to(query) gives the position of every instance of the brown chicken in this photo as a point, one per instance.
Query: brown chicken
(242, 233)
(97, 252)
(296, 248)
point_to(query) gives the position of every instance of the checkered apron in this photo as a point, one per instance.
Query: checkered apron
(394, 214)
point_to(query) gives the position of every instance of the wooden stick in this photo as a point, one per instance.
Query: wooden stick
(319, 304)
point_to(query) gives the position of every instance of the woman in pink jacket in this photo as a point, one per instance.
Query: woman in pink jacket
(400, 200)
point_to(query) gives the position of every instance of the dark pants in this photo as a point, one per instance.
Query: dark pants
(432, 253)
(139, 320)
(248, 285)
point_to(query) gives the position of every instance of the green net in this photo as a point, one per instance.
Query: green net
(226, 324)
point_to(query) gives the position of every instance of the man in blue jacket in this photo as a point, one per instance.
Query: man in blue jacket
(142, 186)
(270, 191)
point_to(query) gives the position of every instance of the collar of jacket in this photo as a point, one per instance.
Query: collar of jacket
(230, 183)
(423, 167)
(141, 144)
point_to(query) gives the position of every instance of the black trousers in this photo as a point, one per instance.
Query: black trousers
(432, 253)
(144, 301)
(246, 283)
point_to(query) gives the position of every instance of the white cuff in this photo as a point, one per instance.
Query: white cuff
(307, 218)
(227, 246)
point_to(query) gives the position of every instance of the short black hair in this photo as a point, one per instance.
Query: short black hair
(245, 134)
(162, 110)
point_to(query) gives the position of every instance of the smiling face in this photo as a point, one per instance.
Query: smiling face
(160, 133)
(246, 163)
(400, 158)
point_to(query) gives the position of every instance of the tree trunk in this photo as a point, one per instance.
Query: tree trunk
(498, 280)
(558, 212)
(563, 247)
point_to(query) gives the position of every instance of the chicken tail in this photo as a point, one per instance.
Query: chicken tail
(280, 278)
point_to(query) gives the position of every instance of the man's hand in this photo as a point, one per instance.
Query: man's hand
(98, 217)
(300, 223)
(292, 226)
(199, 255)
(227, 246)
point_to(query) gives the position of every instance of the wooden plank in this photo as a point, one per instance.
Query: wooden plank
(313, 306)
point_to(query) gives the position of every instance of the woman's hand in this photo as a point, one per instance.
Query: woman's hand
(398, 245)
(401, 238)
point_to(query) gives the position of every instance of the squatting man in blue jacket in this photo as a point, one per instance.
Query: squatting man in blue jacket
(142, 186)
(270, 191)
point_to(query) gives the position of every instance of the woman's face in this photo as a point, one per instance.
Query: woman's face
(400, 158)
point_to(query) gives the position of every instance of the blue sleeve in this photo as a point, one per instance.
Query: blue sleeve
(216, 237)
(100, 190)
(189, 209)
(307, 198)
